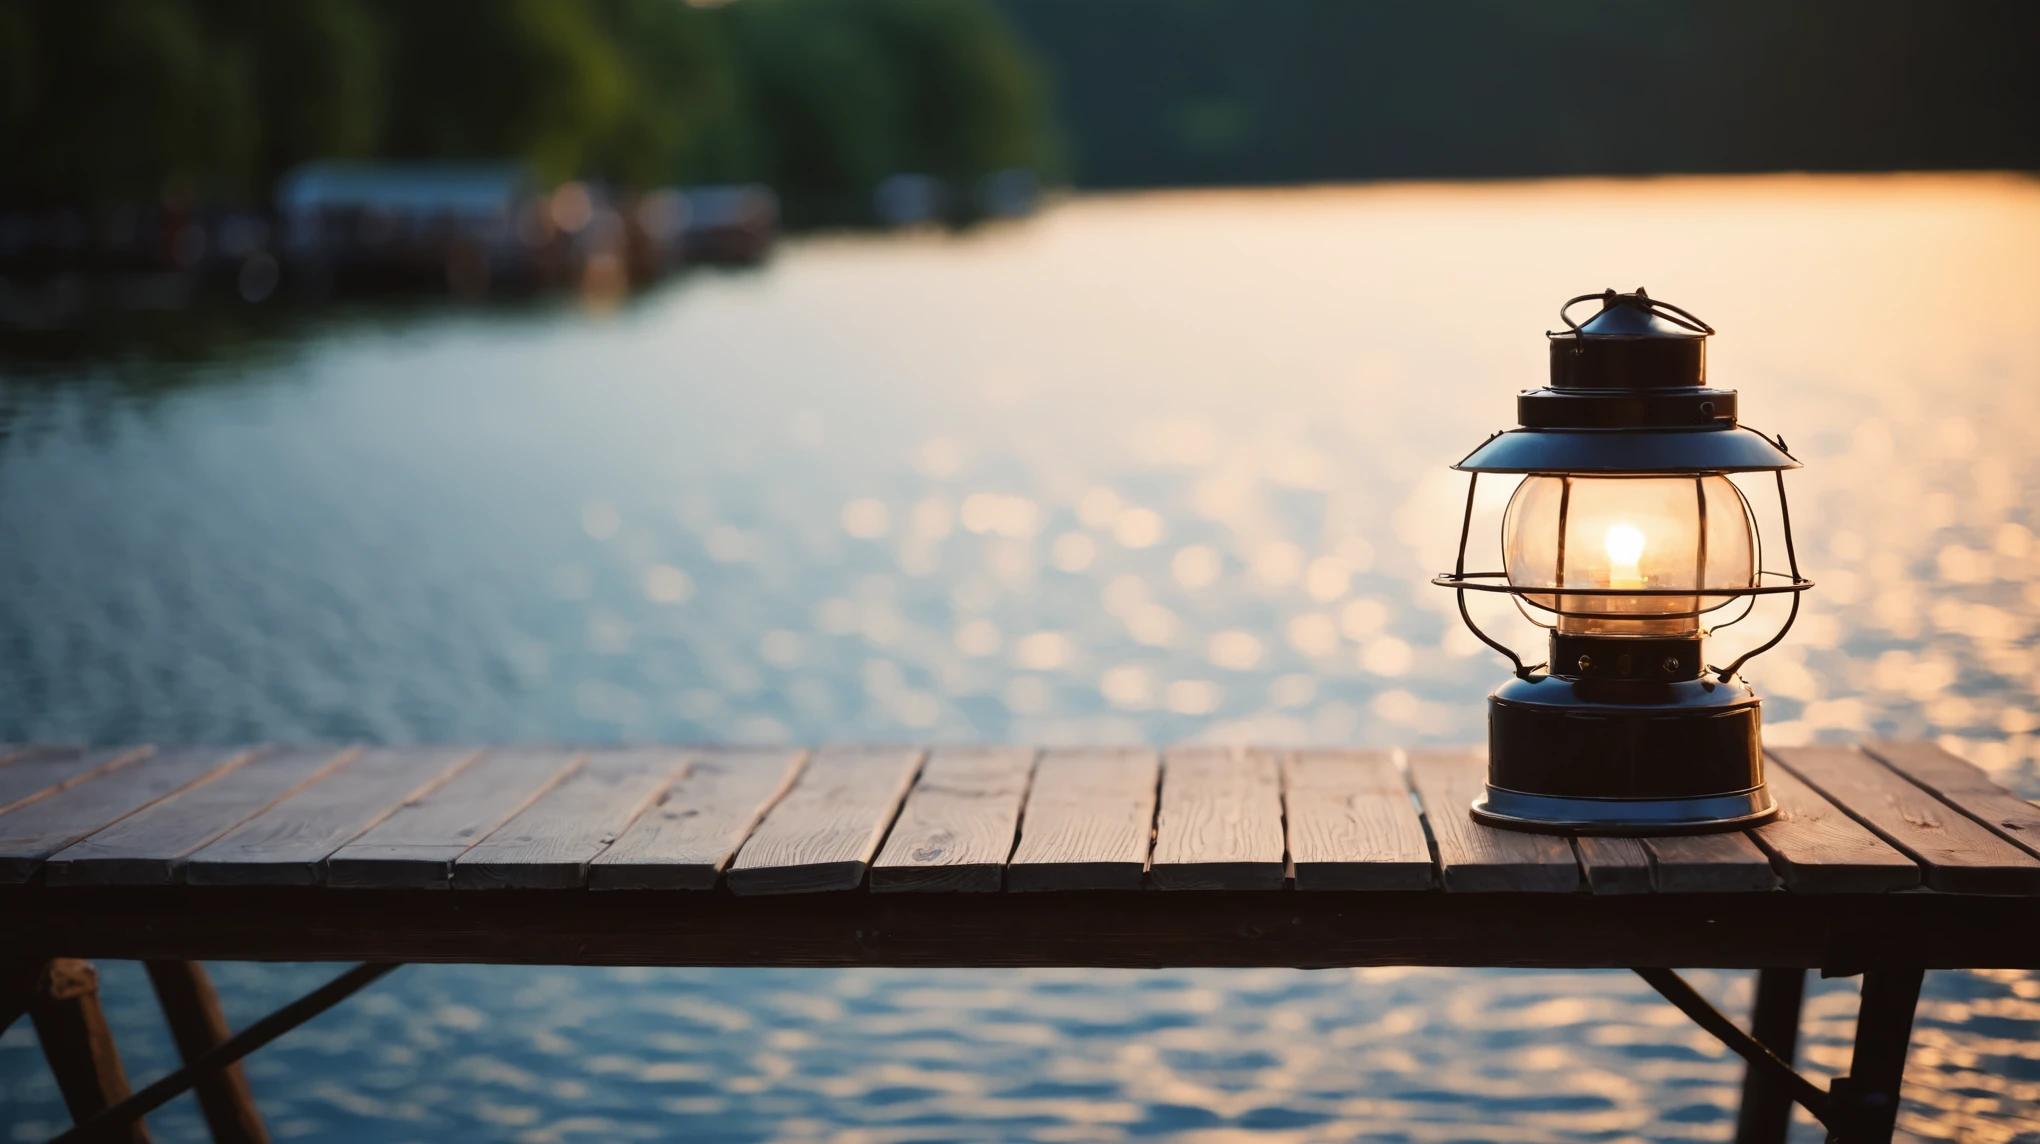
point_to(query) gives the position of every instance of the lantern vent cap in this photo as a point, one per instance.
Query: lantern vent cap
(1634, 344)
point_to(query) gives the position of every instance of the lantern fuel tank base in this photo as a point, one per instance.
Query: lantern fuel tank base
(1545, 814)
(1601, 756)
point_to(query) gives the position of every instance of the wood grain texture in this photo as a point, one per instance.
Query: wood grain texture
(824, 833)
(149, 847)
(288, 844)
(686, 841)
(1963, 785)
(1352, 824)
(1709, 864)
(1480, 859)
(418, 843)
(1614, 865)
(33, 773)
(959, 823)
(1089, 821)
(31, 834)
(549, 845)
(1220, 821)
(1816, 849)
(1958, 854)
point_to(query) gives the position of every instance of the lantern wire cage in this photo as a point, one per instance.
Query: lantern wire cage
(1767, 583)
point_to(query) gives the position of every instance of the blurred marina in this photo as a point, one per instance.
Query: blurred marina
(469, 231)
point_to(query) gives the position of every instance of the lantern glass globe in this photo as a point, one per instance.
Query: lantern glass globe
(1624, 533)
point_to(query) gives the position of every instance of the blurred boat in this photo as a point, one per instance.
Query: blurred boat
(737, 223)
(470, 228)
(909, 199)
(1014, 192)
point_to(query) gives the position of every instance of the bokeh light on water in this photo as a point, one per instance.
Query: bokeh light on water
(1146, 469)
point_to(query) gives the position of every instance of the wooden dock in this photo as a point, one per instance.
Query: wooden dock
(1889, 859)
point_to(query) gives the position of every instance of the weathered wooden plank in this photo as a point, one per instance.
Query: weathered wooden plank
(685, 841)
(959, 824)
(1089, 821)
(1709, 864)
(288, 844)
(150, 846)
(30, 835)
(38, 772)
(1816, 849)
(1614, 865)
(549, 845)
(416, 846)
(1351, 823)
(1220, 825)
(1964, 786)
(1958, 854)
(1475, 858)
(823, 834)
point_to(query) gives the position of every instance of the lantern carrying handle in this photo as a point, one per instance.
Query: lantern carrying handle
(1665, 310)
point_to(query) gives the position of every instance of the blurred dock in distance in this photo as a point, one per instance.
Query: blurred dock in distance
(466, 230)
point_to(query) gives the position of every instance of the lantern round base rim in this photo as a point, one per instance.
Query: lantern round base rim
(1553, 814)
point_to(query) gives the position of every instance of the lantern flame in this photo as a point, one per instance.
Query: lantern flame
(1625, 550)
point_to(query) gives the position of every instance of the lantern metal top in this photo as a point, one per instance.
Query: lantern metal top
(1628, 394)
(1641, 451)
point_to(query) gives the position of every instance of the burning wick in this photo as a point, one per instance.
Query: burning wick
(1625, 548)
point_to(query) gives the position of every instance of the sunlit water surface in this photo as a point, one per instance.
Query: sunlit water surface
(1145, 469)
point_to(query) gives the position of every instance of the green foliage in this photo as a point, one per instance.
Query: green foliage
(112, 100)
(1174, 92)
(682, 94)
(117, 99)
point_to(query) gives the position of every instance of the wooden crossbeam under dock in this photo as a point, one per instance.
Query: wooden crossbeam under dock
(1892, 852)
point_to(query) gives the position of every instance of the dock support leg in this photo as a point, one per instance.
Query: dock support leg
(1766, 1114)
(1866, 1101)
(78, 1045)
(192, 1009)
(18, 983)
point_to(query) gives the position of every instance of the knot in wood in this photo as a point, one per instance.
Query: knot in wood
(69, 977)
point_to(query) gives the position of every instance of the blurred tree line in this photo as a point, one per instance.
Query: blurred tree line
(115, 100)
(1169, 92)
(123, 100)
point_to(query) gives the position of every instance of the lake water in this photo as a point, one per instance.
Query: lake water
(1144, 469)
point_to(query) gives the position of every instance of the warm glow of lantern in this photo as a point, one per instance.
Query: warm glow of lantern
(1624, 534)
(1625, 549)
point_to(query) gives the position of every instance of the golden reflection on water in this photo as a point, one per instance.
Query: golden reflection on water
(1249, 398)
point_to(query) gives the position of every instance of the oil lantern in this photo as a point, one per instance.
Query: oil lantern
(1625, 537)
